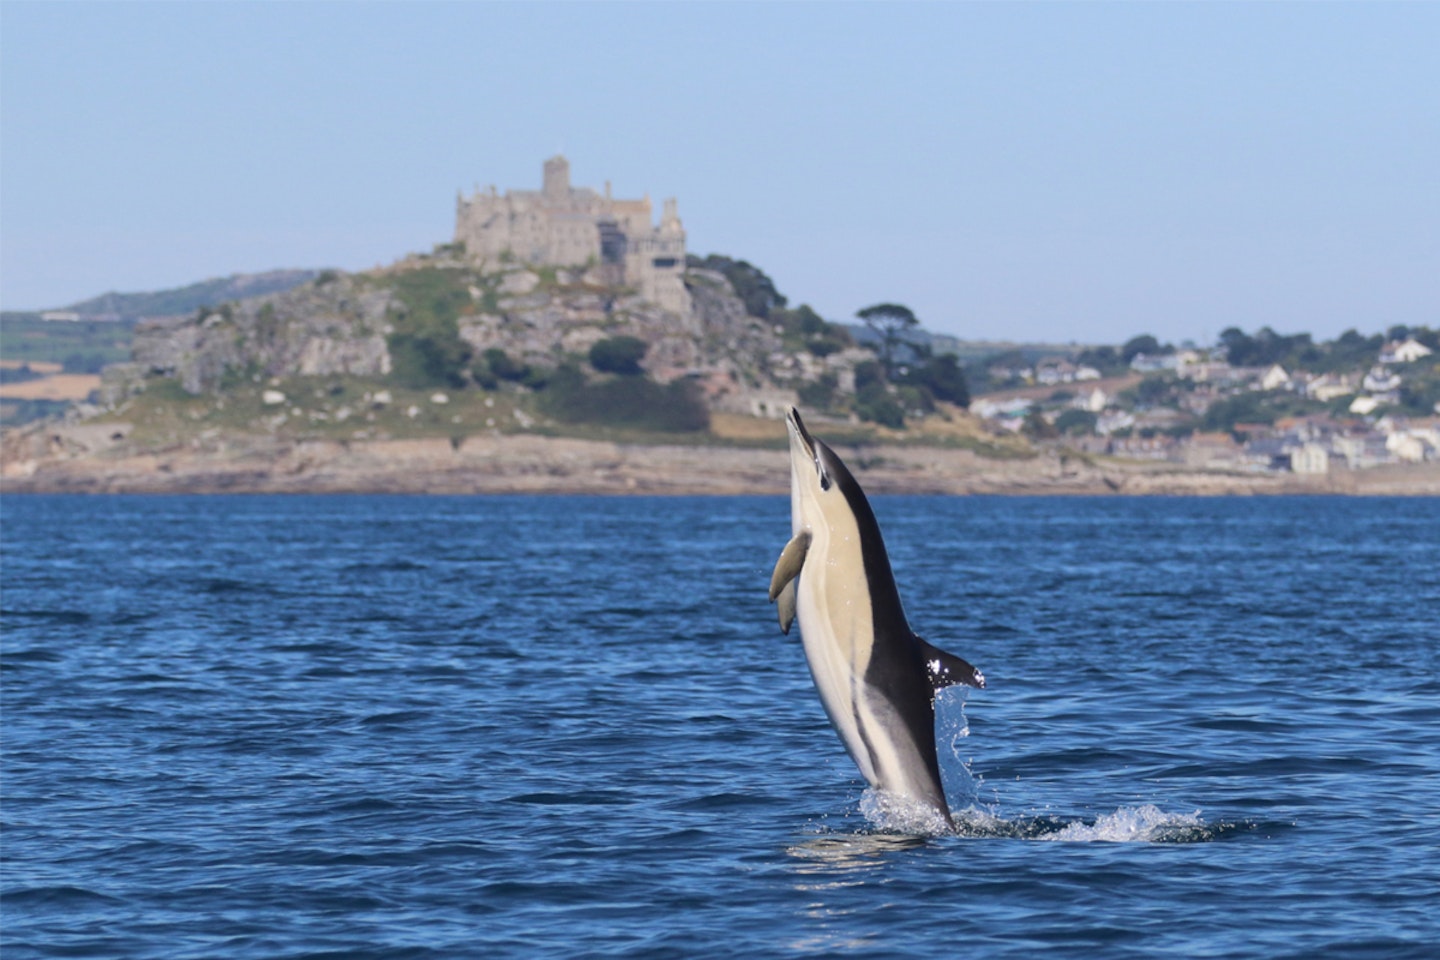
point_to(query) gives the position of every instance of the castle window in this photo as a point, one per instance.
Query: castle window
(664, 263)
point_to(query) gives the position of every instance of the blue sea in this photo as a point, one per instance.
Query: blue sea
(279, 727)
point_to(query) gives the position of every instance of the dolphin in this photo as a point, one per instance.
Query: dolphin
(876, 678)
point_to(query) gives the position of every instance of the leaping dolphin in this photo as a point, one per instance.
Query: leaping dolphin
(876, 678)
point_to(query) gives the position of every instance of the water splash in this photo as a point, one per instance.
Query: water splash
(891, 813)
(1143, 824)
(953, 727)
(1146, 823)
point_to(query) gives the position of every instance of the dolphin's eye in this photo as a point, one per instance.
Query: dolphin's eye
(824, 477)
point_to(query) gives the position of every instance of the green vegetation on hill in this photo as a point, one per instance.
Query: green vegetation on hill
(84, 346)
(756, 290)
(425, 346)
(632, 401)
(1257, 407)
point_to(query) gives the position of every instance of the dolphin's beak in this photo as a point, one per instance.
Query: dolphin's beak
(806, 448)
(799, 436)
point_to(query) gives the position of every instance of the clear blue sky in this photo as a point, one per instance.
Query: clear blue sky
(1034, 171)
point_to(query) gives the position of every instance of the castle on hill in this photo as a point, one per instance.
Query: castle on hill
(564, 226)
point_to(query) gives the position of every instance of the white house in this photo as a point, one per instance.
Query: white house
(1310, 458)
(1144, 363)
(1328, 386)
(1275, 378)
(1407, 351)
(1380, 380)
(1093, 400)
(1406, 446)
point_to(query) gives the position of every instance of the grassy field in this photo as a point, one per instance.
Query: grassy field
(351, 409)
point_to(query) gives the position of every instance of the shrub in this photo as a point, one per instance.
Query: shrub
(819, 394)
(916, 400)
(621, 355)
(500, 364)
(421, 361)
(628, 401)
(1076, 422)
(874, 403)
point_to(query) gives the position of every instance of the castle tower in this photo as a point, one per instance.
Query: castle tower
(557, 178)
(670, 222)
(561, 225)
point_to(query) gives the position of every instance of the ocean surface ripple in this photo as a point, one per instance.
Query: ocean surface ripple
(437, 727)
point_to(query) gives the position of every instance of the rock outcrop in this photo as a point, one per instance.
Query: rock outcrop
(335, 325)
(340, 324)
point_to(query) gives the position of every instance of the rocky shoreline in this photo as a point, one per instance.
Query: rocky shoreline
(84, 459)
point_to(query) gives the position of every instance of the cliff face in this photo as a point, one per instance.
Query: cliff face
(333, 326)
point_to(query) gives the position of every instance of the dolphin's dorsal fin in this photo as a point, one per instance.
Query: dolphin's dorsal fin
(782, 581)
(946, 669)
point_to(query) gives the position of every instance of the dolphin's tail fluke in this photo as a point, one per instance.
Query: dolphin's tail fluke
(946, 669)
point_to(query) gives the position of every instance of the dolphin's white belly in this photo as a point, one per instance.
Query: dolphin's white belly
(837, 632)
(833, 607)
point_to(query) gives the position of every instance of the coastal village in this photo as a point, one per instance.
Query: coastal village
(1356, 420)
(568, 312)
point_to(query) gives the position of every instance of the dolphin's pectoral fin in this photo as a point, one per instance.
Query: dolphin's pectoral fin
(786, 607)
(946, 669)
(787, 568)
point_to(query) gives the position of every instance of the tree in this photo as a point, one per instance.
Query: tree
(892, 323)
(1037, 427)
(1135, 346)
(1103, 358)
(1267, 347)
(1076, 422)
(943, 376)
(874, 403)
(750, 283)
